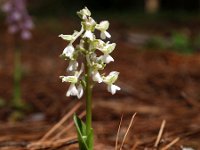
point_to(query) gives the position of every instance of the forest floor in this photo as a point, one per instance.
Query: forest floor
(162, 87)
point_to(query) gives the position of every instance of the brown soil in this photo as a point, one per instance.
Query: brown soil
(156, 85)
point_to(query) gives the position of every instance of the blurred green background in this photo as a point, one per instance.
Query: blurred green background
(172, 25)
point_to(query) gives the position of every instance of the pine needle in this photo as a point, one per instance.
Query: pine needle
(117, 138)
(160, 133)
(130, 124)
(171, 144)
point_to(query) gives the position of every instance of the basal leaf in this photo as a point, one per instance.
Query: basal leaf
(81, 130)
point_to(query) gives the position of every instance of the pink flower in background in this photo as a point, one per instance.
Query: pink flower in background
(17, 18)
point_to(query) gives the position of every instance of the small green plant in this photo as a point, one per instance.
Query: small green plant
(181, 43)
(93, 54)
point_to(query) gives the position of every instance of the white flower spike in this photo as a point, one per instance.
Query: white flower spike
(94, 54)
(87, 52)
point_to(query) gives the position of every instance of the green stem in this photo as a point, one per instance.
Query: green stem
(89, 131)
(17, 78)
(88, 101)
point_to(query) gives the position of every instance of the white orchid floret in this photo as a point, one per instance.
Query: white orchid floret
(108, 48)
(72, 91)
(103, 26)
(84, 13)
(113, 88)
(89, 24)
(69, 51)
(75, 91)
(111, 78)
(106, 58)
(88, 34)
(96, 76)
(71, 79)
(74, 78)
(105, 35)
(73, 65)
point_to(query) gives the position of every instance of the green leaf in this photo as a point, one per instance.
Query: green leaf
(90, 139)
(81, 130)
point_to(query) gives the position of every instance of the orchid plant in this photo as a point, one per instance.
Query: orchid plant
(18, 21)
(86, 62)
